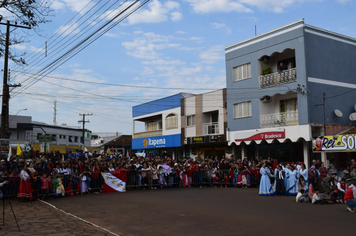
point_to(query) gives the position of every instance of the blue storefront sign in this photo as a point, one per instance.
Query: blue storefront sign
(157, 142)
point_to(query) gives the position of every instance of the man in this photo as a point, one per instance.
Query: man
(329, 183)
(350, 197)
(281, 67)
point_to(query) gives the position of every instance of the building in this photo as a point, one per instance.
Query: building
(47, 138)
(204, 123)
(285, 87)
(157, 126)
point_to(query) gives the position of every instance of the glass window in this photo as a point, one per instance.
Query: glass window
(241, 72)
(172, 121)
(190, 120)
(243, 109)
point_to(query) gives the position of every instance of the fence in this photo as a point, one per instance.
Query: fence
(72, 184)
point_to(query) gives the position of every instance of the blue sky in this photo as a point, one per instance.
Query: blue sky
(164, 48)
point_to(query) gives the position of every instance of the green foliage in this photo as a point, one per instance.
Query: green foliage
(266, 70)
(30, 13)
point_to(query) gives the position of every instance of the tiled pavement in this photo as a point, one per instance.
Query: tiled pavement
(39, 218)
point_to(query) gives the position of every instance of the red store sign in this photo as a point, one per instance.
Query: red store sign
(255, 135)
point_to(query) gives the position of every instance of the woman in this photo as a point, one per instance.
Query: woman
(323, 171)
(292, 178)
(265, 184)
(33, 180)
(25, 186)
(304, 172)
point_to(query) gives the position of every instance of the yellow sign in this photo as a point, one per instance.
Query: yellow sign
(340, 143)
(145, 143)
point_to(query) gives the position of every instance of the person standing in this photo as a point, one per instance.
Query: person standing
(25, 186)
(350, 197)
(265, 184)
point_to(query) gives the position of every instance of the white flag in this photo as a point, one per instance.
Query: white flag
(112, 183)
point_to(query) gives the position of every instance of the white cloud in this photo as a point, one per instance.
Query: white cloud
(343, 1)
(156, 13)
(164, 62)
(207, 6)
(147, 45)
(176, 16)
(68, 29)
(212, 55)
(76, 5)
(222, 26)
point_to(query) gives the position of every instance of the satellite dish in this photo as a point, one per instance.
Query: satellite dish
(352, 116)
(338, 113)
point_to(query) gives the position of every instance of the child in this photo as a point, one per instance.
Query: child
(154, 177)
(44, 185)
(317, 199)
(336, 196)
(301, 197)
(162, 180)
(185, 178)
(224, 181)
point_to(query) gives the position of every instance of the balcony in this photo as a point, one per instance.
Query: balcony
(277, 78)
(146, 134)
(279, 119)
(211, 128)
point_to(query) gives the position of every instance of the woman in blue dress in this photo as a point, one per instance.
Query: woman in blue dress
(292, 187)
(304, 172)
(265, 184)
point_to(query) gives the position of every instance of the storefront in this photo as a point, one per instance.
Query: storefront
(167, 145)
(339, 149)
(206, 146)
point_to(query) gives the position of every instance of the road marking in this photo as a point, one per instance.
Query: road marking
(97, 226)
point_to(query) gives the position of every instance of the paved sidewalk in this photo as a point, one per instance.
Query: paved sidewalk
(39, 218)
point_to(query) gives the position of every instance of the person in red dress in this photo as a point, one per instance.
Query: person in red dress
(25, 186)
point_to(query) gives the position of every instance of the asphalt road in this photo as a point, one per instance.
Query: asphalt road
(208, 211)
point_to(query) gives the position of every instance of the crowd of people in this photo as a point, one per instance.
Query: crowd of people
(319, 185)
(34, 175)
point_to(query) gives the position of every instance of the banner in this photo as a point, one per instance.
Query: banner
(114, 182)
(338, 143)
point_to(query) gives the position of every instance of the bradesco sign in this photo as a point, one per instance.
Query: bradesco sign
(157, 142)
(339, 143)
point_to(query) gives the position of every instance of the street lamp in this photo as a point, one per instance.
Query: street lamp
(25, 109)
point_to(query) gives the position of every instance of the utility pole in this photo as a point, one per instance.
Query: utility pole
(84, 121)
(5, 88)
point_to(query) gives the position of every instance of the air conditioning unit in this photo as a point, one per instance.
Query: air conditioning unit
(266, 99)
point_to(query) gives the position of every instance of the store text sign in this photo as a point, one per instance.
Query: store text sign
(340, 143)
(255, 135)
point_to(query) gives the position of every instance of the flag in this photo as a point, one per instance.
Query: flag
(19, 151)
(114, 182)
(10, 153)
(108, 151)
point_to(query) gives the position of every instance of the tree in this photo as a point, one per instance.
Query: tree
(30, 13)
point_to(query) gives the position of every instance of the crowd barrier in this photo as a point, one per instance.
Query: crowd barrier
(72, 184)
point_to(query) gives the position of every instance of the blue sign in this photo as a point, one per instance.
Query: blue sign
(157, 142)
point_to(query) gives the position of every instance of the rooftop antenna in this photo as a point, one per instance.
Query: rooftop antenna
(255, 30)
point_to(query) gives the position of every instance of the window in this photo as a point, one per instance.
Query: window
(54, 137)
(242, 110)
(70, 139)
(241, 72)
(172, 121)
(75, 139)
(151, 126)
(190, 120)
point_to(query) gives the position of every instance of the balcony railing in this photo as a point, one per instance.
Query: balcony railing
(279, 119)
(211, 128)
(147, 134)
(277, 78)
